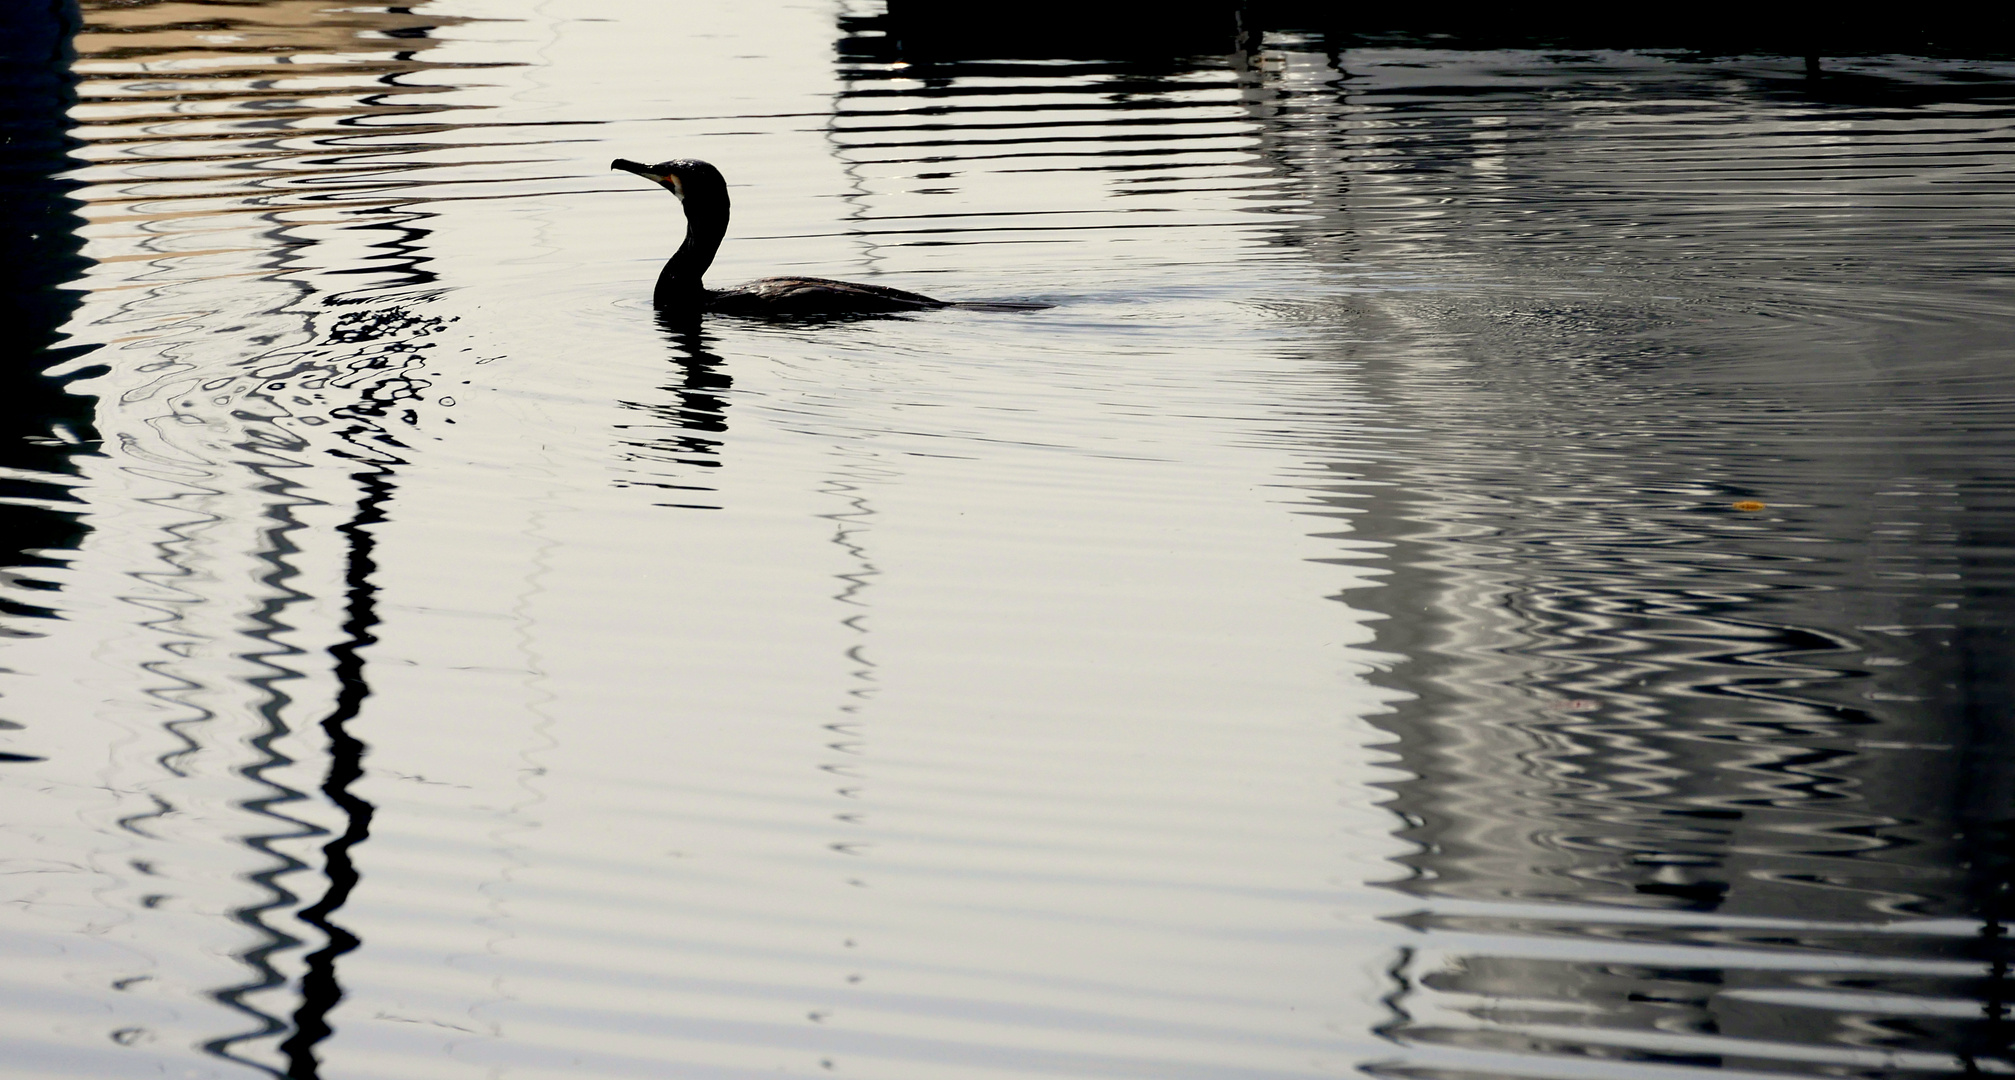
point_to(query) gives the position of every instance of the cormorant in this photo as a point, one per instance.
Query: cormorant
(704, 196)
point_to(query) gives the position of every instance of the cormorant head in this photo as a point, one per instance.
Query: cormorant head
(686, 178)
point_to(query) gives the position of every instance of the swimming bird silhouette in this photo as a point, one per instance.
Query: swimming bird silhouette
(704, 195)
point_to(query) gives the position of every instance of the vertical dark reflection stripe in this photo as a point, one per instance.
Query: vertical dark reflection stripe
(320, 989)
(39, 246)
(382, 342)
(278, 552)
(41, 424)
(378, 339)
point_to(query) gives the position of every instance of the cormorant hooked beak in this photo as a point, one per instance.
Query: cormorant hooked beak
(667, 179)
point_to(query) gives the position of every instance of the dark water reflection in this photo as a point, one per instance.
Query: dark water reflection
(685, 429)
(1654, 411)
(359, 346)
(39, 253)
(1642, 299)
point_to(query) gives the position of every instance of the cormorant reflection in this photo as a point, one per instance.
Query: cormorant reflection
(701, 386)
(683, 431)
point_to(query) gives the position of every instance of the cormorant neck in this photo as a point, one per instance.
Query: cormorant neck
(706, 223)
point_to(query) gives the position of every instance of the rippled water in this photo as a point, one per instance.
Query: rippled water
(1496, 563)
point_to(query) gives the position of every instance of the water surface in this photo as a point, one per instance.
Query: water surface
(1496, 563)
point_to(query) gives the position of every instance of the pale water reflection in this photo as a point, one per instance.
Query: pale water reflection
(1324, 642)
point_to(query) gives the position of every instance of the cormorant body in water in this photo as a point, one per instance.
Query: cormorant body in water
(704, 195)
